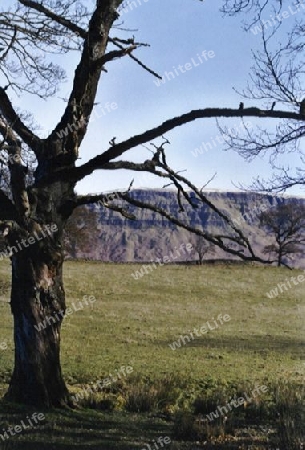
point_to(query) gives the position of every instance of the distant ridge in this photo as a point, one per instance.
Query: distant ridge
(107, 236)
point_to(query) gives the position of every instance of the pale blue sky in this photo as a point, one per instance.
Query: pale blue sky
(177, 30)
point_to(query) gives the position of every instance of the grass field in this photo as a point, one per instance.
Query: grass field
(132, 322)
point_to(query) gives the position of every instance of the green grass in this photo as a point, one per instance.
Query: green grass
(133, 322)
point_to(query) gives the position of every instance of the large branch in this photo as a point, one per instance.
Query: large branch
(87, 75)
(16, 123)
(80, 31)
(58, 19)
(92, 199)
(8, 135)
(118, 149)
(104, 201)
(17, 173)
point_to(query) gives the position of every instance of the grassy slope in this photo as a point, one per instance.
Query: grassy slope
(133, 321)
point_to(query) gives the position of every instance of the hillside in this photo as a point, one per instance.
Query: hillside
(103, 234)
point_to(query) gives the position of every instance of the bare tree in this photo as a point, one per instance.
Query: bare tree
(276, 80)
(202, 248)
(285, 224)
(34, 213)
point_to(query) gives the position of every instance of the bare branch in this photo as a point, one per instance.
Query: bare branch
(87, 75)
(280, 182)
(158, 162)
(118, 149)
(104, 201)
(16, 123)
(214, 239)
(96, 198)
(59, 19)
(250, 143)
(123, 211)
(8, 135)
(13, 39)
(116, 54)
(144, 66)
(258, 7)
(81, 31)
(24, 64)
(274, 76)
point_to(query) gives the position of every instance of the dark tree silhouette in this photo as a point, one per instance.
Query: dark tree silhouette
(34, 212)
(285, 225)
(277, 77)
(202, 248)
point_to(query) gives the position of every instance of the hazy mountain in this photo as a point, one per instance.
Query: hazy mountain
(107, 236)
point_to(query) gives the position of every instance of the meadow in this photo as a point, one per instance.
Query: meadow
(170, 392)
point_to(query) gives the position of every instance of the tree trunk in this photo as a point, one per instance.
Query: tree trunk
(279, 260)
(38, 305)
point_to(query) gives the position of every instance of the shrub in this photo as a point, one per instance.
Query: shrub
(289, 404)
(147, 396)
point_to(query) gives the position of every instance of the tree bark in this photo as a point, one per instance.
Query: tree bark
(279, 260)
(38, 305)
(38, 299)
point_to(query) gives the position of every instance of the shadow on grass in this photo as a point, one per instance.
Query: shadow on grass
(89, 429)
(254, 343)
(81, 429)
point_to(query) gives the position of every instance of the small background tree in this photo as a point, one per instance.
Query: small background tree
(202, 247)
(285, 223)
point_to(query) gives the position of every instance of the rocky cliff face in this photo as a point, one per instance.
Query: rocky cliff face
(111, 237)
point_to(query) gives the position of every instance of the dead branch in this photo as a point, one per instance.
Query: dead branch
(16, 123)
(117, 150)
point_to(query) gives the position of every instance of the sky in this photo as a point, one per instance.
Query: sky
(218, 55)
